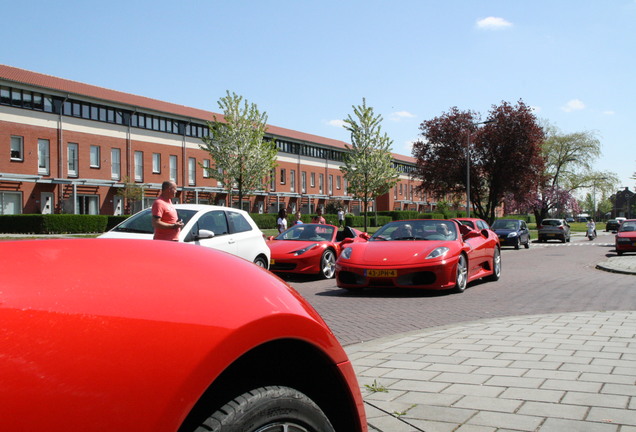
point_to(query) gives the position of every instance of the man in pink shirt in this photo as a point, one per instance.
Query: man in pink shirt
(165, 219)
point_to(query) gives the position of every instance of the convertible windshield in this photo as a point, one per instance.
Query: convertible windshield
(142, 222)
(417, 230)
(308, 232)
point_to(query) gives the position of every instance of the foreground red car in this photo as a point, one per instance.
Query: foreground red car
(626, 237)
(310, 248)
(429, 254)
(131, 335)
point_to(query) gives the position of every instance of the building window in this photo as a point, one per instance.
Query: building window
(17, 148)
(312, 180)
(10, 203)
(43, 157)
(330, 184)
(206, 168)
(88, 204)
(115, 164)
(272, 180)
(321, 183)
(338, 183)
(156, 163)
(139, 166)
(95, 156)
(303, 180)
(192, 171)
(283, 175)
(292, 181)
(73, 159)
(173, 168)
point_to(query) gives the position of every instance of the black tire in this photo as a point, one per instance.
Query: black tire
(496, 266)
(518, 243)
(261, 262)
(461, 275)
(268, 409)
(328, 264)
(527, 245)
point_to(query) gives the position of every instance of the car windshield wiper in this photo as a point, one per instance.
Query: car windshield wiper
(408, 238)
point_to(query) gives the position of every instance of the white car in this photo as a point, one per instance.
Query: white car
(223, 228)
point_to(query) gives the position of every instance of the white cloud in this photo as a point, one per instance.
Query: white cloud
(493, 23)
(573, 105)
(535, 109)
(336, 123)
(400, 115)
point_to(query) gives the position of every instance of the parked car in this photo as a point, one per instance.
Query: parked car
(557, 229)
(310, 248)
(626, 237)
(123, 335)
(612, 225)
(223, 228)
(512, 232)
(475, 223)
(426, 253)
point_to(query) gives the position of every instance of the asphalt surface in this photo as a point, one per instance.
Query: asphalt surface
(555, 372)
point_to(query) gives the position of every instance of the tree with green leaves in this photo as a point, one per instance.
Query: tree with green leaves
(368, 163)
(570, 168)
(242, 157)
(130, 193)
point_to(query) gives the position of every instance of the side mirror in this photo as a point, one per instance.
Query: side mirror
(270, 238)
(203, 234)
(365, 236)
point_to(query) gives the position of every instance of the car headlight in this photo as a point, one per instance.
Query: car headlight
(512, 234)
(305, 249)
(438, 252)
(346, 253)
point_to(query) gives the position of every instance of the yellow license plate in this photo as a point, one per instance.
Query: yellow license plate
(381, 273)
(272, 261)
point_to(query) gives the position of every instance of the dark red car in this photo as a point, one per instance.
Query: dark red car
(626, 237)
(135, 335)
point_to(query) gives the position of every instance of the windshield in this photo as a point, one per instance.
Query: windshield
(628, 226)
(417, 230)
(551, 222)
(308, 232)
(142, 222)
(505, 224)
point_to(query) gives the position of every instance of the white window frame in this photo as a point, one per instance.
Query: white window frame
(330, 184)
(4, 202)
(17, 148)
(95, 156)
(156, 163)
(115, 164)
(192, 171)
(174, 170)
(44, 158)
(206, 168)
(321, 183)
(72, 159)
(292, 180)
(303, 182)
(139, 166)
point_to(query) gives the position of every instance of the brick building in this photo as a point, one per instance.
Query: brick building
(70, 147)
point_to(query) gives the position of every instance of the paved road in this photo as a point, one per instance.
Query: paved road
(547, 278)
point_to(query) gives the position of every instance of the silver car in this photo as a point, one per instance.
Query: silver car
(554, 229)
(223, 228)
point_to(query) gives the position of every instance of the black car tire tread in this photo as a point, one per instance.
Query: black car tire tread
(268, 409)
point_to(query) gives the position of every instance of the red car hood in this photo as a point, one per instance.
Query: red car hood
(280, 248)
(627, 234)
(392, 253)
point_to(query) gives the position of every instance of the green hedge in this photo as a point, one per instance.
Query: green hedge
(53, 224)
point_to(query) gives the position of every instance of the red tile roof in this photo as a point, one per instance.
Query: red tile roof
(77, 88)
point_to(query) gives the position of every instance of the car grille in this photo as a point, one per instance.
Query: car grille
(283, 267)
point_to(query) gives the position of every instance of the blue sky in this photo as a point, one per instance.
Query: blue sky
(307, 62)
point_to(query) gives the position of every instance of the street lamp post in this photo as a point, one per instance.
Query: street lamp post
(468, 165)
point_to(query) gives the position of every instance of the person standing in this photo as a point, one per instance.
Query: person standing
(298, 220)
(341, 217)
(318, 219)
(281, 222)
(165, 220)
